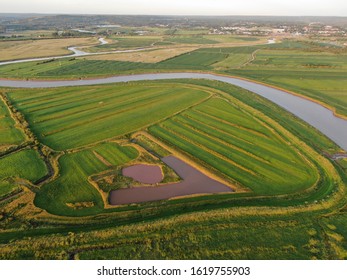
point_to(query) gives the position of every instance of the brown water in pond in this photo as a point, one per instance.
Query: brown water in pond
(194, 182)
(144, 173)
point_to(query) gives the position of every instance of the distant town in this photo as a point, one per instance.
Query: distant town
(334, 29)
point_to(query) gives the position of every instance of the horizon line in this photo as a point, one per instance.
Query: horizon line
(173, 15)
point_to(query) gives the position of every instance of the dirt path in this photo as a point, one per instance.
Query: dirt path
(253, 57)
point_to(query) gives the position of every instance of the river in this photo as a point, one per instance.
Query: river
(76, 53)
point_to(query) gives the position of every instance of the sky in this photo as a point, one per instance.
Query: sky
(179, 7)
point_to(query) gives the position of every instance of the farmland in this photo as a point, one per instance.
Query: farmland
(150, 56)
(207, 133)
(12, 50)
(62, 150)
(69, 118)
(209, 123)
(317, 74)
(299, 66)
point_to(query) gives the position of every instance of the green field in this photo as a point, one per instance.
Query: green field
(73, 117)
(9, 134)
(316, 74)
(63, 195)
(290, 200)
(222, 132)
(25, 164)
(212, 235)
(239, 146)
(237, 135)
(336, 228)
(127, 43)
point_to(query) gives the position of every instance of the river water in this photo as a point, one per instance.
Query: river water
(76, 53)
(316, 115)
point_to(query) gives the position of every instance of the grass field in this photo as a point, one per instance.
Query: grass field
(25, 164)
(187, 237)
(6, 188)
(336, 228)
(73, 117)
(239, 146)
(72, 193)
(295, 204)
(316, 74)
(196, 59)
(131, 42)
(178, 39)
(9, 134)
(263, 226)
(11, 50)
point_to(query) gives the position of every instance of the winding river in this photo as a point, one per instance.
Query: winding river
(76, 53)
(316, 115)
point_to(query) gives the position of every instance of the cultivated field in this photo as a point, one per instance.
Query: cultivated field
(12, 50)
(151, 56)
(72, 117)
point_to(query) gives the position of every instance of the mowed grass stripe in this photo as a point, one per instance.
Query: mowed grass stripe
(101, 103)
(225, 111)
(204, 120)
(218, 136)
(78, 95)
(47, 103)
(120, 124)
(225, 168)
(33, 96)
(233, 126)
(266, 148)
(204, 143)
(77, 119)
(276, 169)
(97, 114)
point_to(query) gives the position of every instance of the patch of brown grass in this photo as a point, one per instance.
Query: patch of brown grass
(10, 50)
(152, 56)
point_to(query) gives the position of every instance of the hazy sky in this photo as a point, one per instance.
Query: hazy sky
(179, 7)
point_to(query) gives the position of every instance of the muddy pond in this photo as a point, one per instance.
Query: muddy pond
(193, 182)
(144, 173)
